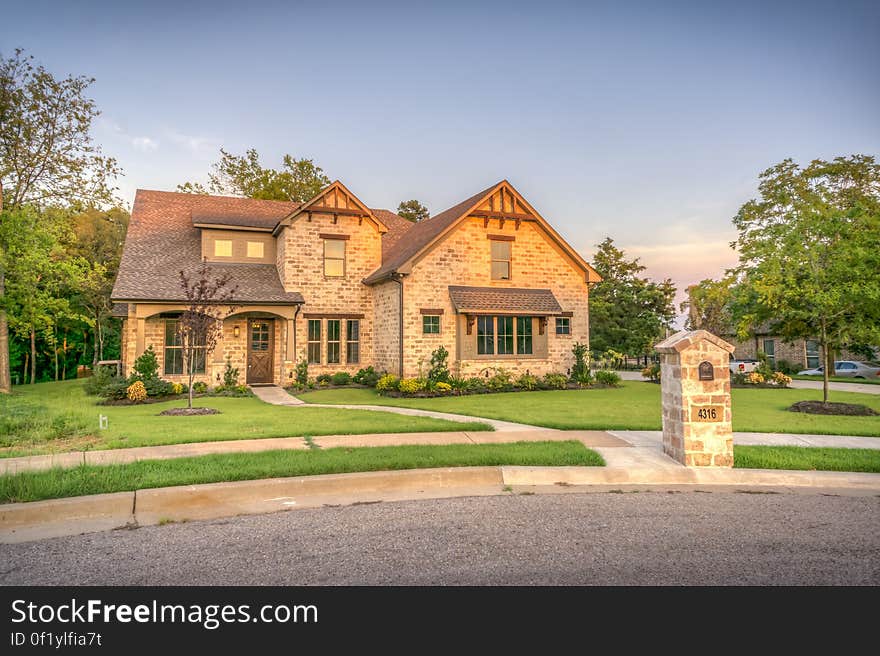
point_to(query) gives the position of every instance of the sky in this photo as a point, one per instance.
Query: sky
(648, 122)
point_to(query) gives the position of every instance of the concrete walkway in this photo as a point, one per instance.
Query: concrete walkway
(278, 396)
(861, 388)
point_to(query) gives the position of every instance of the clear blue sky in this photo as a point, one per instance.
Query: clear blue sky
(645, 121)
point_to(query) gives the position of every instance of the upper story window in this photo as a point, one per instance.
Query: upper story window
(563, 326)
(222, 248)
(431, 324)
(334, 257)
(500, 260)
(255, 249)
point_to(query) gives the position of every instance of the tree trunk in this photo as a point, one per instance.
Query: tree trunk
(55, 351)
(33, 355)
(100, 352)
(191, 372)
(5, 375)
(826, 369)
(64, 357)
(24, 369)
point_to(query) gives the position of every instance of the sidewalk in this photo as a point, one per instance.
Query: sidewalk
(861, 388)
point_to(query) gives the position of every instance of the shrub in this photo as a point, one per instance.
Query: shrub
(323, 379)
(146, 367)
(787, 368)
(387, 383)
(458, 384)
(580, 372)
(443, 388)
(96, 383)
(136, 392)
(738, 378)
(199, 387)
(754, 378)
(500, 381)
(410, 385)
(652, 373)
(763, 367)
(780, 379)
(609, 378)
(230, 374)
(234, 390)
(178, 388)
(439, 371)
(341, 378)
(527, 381)
(367, 376)
(302, 372)
(555, 381)
(116, 389)
(157, 387)
(476, 384)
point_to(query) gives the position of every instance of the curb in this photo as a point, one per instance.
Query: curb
(23, 522)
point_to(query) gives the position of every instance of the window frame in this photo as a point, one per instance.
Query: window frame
(334, 259)
(485, 338)
(812, 355)
(334, 342)
(566, 321)
(771, 357)
(493, 328)
(428, 321)
(176, 349)
(311, 342)
(493, 259)
(349, 342)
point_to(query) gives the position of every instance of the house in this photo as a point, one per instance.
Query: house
(344, 286)
(800, 353)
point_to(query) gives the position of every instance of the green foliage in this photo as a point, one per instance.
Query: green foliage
(443, 388)
(232, 390)
(340, 378)
(580, 372)
(230, 375)
(788, 368)
(413, 210)
(555, 381)
(476, 384)
(243, 175)
(628, 312)
(323, 379)
(527, 382)
(458, 384)
(156, 387)
(199, 387)
(652, 373)
(98, 381)
(366, 376)
(439, 371)
(24, 421)
(302, 372)
(387, 383)
(500, 381)
(115, 390)
(146, 366)
(709, 306)
(608, 378)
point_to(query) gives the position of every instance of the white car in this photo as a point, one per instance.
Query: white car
(847, 369)
(743, 366)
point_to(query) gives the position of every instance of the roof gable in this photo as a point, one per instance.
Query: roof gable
(334, 199)
(499, 202)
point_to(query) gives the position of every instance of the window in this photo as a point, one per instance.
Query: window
(770, 351)
(332, 341)
(314, 346)
(505, 335)
(563, 326)
(431, 324)
(174, 356)
(813, 354)
(255, 249)
(524, 335)
(334, 257)
(500, 260)
(223, 248)
(353, 341)
(485, 335)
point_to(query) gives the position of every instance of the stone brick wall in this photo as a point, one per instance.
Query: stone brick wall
(300, 260)
(386, 323)
(464, 258)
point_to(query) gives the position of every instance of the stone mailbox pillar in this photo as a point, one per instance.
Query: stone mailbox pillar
(695, 386)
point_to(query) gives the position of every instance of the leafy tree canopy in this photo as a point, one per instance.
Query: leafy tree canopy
(243, 175)
(413, 210)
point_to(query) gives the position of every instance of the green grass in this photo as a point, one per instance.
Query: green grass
(806, 458)
(840, 379)
(633, 406)
(57, 483)
(53, 417)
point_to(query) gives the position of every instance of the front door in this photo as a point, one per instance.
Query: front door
(259, 368)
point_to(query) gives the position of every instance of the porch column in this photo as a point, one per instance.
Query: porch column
(289, 355)
(140, 336)
(220, 349)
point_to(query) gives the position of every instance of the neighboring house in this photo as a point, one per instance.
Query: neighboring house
(344, 286)
(802, 353)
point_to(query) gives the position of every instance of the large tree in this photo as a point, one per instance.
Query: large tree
(47, 155)
(809, 250)
(413, 210)
(243, 175)
(708, 306)
(628, 312)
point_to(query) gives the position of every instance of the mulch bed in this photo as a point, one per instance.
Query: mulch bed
(819, 408)
(185, 412)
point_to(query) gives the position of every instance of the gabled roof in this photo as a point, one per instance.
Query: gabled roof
(684, 339)
(426, 233)
(504, 300)
(319, 206)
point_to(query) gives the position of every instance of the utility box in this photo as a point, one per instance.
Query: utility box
(695, 388)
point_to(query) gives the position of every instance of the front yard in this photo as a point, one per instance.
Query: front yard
(633, 406)
(54, 417)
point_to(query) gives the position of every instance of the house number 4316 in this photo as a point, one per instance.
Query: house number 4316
(707, 413)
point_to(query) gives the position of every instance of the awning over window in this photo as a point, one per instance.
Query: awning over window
(499, 300)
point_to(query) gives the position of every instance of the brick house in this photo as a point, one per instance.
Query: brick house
(345, 286)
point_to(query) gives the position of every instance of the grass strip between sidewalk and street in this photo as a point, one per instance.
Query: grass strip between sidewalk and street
(91, 479)
(840, 379)
(806, 458)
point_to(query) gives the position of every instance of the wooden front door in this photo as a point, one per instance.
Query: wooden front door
(259, 367)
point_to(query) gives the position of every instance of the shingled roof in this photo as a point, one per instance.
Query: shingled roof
(504, 300)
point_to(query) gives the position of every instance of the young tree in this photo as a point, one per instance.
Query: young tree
(209, 299)
(810, 252)
(628, 313)
(243, 175)
(413, 210)
(47, 155)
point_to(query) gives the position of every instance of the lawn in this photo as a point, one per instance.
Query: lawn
(840, 379)
(57, 483)
(633, 406)
(53, 417)
(808, 458)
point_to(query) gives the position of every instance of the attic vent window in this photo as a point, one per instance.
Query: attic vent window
(255, 249)
(223, 248)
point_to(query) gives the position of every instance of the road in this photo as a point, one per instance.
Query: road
(648, 537)
(862, 388)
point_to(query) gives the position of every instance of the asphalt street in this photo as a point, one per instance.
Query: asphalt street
(645, 538)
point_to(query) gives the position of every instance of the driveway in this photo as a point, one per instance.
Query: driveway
(862, 388)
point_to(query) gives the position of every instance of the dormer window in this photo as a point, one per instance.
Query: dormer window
(500, 259)
(255, 249)
(222, 248)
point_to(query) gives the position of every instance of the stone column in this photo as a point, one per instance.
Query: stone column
(695, 387)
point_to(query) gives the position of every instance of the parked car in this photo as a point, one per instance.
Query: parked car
(847, 369)
(743, 366)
